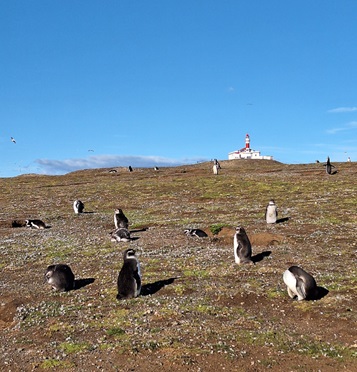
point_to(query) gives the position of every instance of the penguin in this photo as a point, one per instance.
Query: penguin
(120, 219)
(60, 277)
(130, 169)
(215, 169)
(242, 247)
(129, 278)
(156, 168)
(121, 235)
(37, 224)
(196, 232)
(216, 162)
(78, 206)
(271, 212)
(328, 166)
(299, 283)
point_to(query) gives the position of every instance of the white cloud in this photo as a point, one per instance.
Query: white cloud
(348, 126)
(343, 109)
(49, 166)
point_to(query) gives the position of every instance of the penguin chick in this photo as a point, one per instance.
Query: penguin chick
(37, 224)
(78, 206)
(300, 283)
(271, 212)
(60, 277)
(242, 247)
(195, 232)
(121, 235)
(129, 279)
(120, 219)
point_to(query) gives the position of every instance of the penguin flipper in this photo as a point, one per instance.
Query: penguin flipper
(300, 289)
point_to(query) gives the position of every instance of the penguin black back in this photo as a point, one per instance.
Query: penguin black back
(37, 224)
(300, 283)
(196, 232)
(329, 166)
(129, 278)
(242, 246)
(121, 235)
(60, 277)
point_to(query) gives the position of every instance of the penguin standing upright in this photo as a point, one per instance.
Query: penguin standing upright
(300, 283)
(78, 206)
(215, 169)
(242, 247)
(271, 212)
(329, 166)
(120, 219)
(129, 279)
(60, 277)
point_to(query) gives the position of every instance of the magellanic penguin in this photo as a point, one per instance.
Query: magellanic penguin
(271, 212)
(121, 235)
(60, 277)
(36, 224)
(328, 166)
(120, 219)
(129, 279)
(242, 247)
(195, 232)
(299, 283)
(78, 206)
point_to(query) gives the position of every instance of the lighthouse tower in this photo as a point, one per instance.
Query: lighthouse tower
(247, 142)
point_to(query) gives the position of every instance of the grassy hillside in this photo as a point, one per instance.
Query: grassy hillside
(199, 310)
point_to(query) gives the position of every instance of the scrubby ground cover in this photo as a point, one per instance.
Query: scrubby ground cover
(199, 311)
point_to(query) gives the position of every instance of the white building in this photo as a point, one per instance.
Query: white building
(247, 153)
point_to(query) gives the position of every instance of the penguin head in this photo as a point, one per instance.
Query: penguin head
(240, 230)
(271, 202)
(129, 253)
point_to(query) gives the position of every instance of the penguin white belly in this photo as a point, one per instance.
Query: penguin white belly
(290, 281)
(235, 247)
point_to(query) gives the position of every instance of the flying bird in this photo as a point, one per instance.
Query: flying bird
(13, 140)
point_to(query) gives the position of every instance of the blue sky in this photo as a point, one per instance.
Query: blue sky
(93, 83)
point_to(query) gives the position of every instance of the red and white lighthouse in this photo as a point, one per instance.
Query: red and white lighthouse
(247, 142)
(247, 153)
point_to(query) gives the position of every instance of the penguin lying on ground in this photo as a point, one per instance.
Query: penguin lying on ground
(121, 235)
(195, 232)
(37, 224)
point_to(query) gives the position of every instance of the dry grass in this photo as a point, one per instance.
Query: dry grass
(204, 312)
